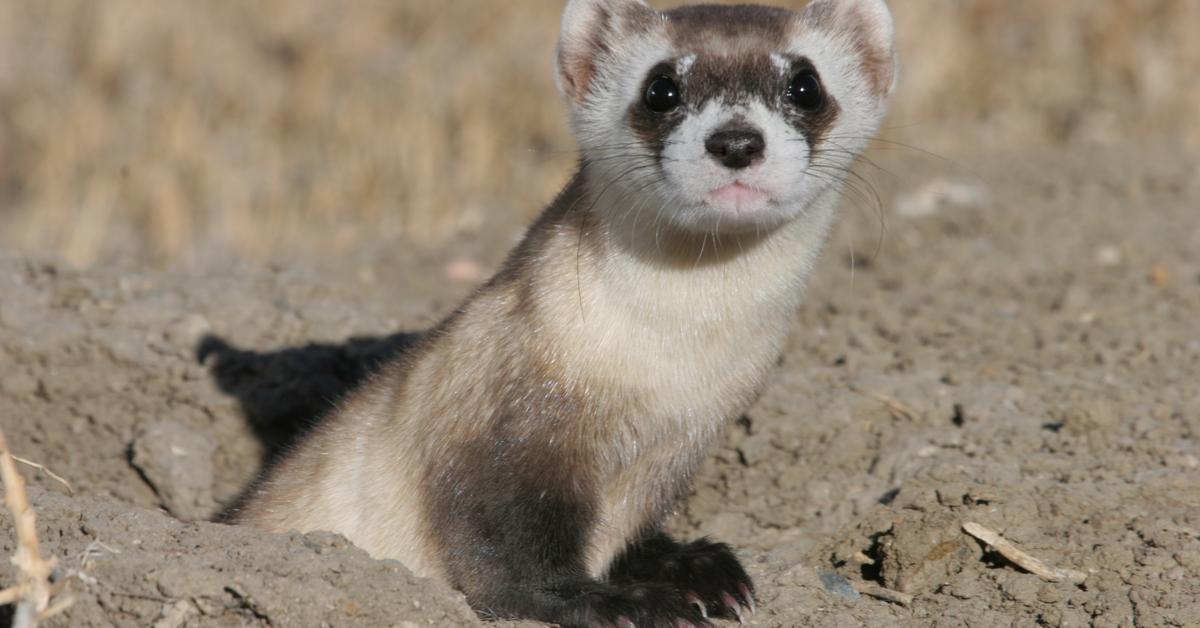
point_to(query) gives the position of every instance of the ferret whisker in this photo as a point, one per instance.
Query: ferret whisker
(896, 145)
(858, 198)
(700, 256)
(845, 192)
(580, 228)
(641, 204)
(846, 189)
(857, 181)
(855, 158)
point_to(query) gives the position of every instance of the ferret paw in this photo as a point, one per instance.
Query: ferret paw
(639, 605)
(710, 576)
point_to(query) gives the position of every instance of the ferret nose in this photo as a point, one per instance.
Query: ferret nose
(736, 148)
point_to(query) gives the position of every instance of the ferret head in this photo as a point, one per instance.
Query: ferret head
(723, 118)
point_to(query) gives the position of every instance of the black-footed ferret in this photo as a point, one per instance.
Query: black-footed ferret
(528, 448)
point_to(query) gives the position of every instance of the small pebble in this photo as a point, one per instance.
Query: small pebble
(1108, 256)
(1159, 275)
(837, 584)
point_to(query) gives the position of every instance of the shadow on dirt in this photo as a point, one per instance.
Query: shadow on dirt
(285, 393)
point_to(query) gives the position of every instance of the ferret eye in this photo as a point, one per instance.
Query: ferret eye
(805, 90)
(662, 95)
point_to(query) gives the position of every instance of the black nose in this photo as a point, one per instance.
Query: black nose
(736, 148)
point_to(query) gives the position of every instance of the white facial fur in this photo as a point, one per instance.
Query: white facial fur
(777, 185)
(850, 44)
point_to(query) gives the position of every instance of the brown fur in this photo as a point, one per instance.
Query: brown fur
(719, 26)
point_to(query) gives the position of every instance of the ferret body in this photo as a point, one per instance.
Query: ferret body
(528, 448)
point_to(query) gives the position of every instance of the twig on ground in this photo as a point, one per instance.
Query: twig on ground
(48, 472)
(887, 595)
(898, 409)
(59, 606)
(10, 595)
(1021, 558)
(34, 590)
(94, 550)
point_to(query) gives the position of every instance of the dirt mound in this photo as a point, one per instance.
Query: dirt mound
(1021, 353)
(132, 566)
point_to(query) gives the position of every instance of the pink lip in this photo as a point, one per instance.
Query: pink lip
(738, 194)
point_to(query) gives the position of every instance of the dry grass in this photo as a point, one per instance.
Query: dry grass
(34, 590)
(172, 129)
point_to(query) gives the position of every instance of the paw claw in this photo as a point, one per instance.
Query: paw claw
(748, 596)
(734, 607)
(695, 600)
(625, 622)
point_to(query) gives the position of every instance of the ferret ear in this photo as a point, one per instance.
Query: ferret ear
(868, 26)
(591, 29)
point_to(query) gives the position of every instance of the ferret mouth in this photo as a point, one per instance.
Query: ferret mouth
(738, 194)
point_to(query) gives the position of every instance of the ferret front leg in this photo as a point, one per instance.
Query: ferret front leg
(709, 574)
(513, 535)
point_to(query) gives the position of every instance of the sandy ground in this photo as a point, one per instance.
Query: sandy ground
(1022, 351)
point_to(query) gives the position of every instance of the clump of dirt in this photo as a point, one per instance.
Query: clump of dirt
(1020, 353)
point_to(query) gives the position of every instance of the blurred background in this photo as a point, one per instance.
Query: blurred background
(169, 131)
